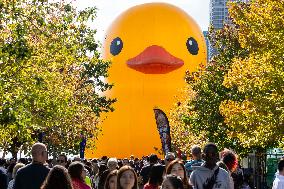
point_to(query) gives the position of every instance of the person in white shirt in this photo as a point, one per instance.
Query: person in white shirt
(209, 174)
(278, 182)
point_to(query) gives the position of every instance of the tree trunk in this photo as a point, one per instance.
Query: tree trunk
(14, 151)
(15, 146)
(4, 154)
(14, 154)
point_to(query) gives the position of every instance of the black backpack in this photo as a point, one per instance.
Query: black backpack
(211, 181)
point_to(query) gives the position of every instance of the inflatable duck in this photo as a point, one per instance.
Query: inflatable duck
(151, 46)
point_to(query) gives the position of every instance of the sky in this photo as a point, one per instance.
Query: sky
(108, 10)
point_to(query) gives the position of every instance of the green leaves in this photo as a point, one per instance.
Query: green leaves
(239, 97)
(259, 76)
(52, 79)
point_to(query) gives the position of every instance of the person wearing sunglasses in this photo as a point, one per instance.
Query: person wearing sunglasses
(62, 160)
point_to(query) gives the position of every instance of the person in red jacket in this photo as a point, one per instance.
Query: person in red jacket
(78, 174)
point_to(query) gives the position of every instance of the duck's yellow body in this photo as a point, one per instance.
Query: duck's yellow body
(151, 46)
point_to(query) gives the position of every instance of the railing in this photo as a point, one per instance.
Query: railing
(262, 168)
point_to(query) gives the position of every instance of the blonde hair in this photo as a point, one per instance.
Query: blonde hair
(16, 168)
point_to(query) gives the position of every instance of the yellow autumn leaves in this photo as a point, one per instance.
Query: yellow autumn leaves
(238, 101)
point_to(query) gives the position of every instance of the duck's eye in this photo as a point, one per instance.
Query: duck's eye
(116, 46)
(192, 46)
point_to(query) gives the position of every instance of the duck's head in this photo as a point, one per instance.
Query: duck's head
(155, 38)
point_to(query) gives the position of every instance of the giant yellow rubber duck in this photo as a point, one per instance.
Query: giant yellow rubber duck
(151, 46)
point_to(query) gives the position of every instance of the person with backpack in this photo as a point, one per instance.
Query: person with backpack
(209, 175)
(196, 160)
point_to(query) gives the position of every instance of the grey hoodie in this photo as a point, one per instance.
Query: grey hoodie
(201, 174)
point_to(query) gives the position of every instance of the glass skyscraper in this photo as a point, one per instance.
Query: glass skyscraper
(218, 16)
(219, 12)
(205, 34)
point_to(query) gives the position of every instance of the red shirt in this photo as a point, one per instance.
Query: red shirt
(150, 186)
(78, 184)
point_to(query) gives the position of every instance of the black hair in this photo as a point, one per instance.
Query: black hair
(2, 162)
(196, 150)
(89, 169)
(211, 146)
(11, 167)
(23, 160)
(75, 170)
(281, 165)
(156, 175)
(119, 163)
(153, 159)
(65, 157)
(176, 181)
(94, 161)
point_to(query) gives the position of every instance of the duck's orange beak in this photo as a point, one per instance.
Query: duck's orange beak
(155, 60)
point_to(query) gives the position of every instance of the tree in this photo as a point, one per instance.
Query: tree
(182, 134)
(257, 120)
(238, 97)
(200, 116)
(51, 76)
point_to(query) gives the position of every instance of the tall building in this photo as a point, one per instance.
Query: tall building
(205, 34)
(218, 13)
(218, 16)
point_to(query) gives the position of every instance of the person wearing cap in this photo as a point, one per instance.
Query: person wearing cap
(196, 160)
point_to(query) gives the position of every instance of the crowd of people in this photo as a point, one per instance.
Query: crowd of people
(207, 169)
